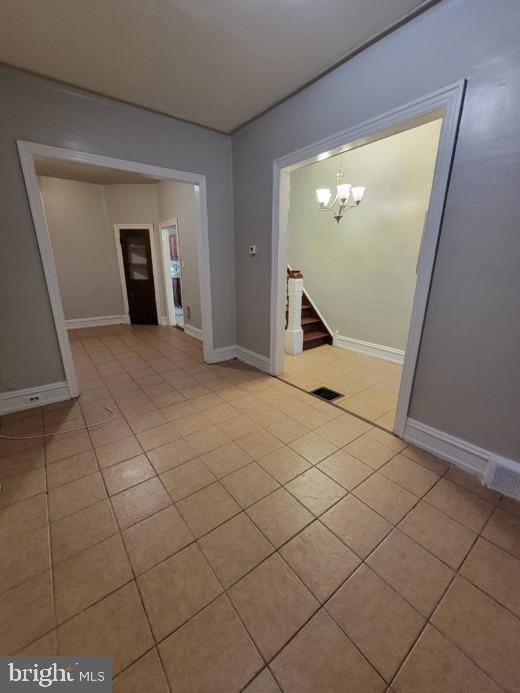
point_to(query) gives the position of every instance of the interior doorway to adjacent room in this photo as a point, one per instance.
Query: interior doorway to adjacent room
(172, 271)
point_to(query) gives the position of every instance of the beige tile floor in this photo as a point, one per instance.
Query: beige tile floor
(228, 532)
(370, 385)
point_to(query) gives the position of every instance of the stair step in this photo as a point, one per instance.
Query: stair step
(310, 321)
(317, 334)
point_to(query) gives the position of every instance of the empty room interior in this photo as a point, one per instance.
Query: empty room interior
(260, 326)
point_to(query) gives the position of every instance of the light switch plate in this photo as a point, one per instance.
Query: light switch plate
(252, 250)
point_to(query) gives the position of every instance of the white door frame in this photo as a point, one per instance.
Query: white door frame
(448, 101)
(120, 263)
(165, 253)
(28, 151)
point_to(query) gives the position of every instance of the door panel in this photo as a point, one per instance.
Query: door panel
(137, 261)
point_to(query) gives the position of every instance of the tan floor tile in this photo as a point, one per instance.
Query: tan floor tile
(320, 560)
(284, 464)
(267, 415)
(484, 630)
(387, 439)
(357, 525)
(459, 504)
(445, 538)
(142, 422)
(226, 459)
(287, 429)
(206, 509)
(69, 498)
(20, 462)
(376, 619)
(27, 613)
(471, 483)
(45, 646)
(343, 430)
(71, 468)
(259, 443)
(513, 506)
(316, 491)
(167, 399)
(115, 626)
(145, 674)
(126, 474)
(263, 683)
(118, 451)
(345, 469)
(171, 455)
(503, 529)
(139, 502)
(221, 412)
(310, 417)
(280, 516)
(435, 665)
(66, 445)
(370, 450)
(174, 412)
(212, 652)
(74, 533)
(388, 499)
(186, 479)
(495, 572)
(26, 516)
(235, 548)
(176, 589)
(20, 486)
(238, 426)
(23, 557)
(387, 421)
(313, 447)
(155, 437)
(273, 604)
(410, 475)
(192, 423)
(157, 537)
(109, 433)
(426, 459)
(249, 484)
(322, 658)
(206, 440)
(89, 576)
(417, 575)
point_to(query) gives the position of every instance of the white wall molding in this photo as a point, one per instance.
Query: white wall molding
(193, 331)
(17, 400)
(98, 321)
(222, 354)
(377, 350)
(469, 457)
(253, 359)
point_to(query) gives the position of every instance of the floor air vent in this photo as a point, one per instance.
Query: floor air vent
(504, 476)
(326, 394)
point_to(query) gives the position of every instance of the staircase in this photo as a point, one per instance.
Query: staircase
(314, 331)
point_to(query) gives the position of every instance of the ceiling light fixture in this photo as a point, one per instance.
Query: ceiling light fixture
(341, 203)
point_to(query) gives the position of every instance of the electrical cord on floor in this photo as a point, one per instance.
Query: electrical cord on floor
(59, 433)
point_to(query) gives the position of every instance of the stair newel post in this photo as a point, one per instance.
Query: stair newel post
(294, 332)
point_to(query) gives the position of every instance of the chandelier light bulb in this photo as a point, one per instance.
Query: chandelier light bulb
(357, 193)
(343, 190)
(323, 195)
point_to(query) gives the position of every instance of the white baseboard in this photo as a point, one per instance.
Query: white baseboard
(18, 400)
(377, 350)
(240, 353)
(163, 320)
(193, 331)
(469, 457)
(98, 321)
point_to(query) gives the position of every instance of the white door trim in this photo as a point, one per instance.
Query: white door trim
(165, 256)
(28, 151)
(448, 101)
(120, 263)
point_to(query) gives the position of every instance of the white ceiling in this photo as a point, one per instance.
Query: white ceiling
(86, 173)
(214, 62)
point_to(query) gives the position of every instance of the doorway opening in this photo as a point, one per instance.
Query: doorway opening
(173, 265)
(98, 270)
(384, 374)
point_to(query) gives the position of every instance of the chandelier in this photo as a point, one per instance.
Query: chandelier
(347, 197)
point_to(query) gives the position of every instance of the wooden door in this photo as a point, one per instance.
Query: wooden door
(137, 261)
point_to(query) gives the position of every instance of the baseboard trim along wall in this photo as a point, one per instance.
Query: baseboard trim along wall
(469, 457)
(193, 331)
(31, 397)
(242, 354)
(98, 321)
(377, 350)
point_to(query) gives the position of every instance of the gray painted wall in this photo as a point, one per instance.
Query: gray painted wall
(468, 379)
(360, 273)
(42, 111)
(83, 246)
